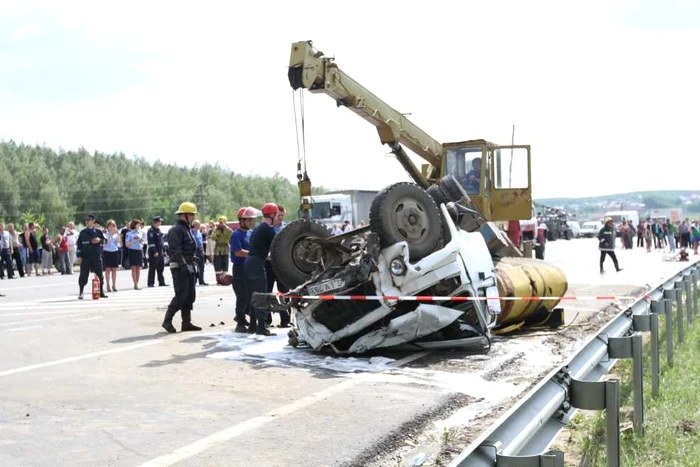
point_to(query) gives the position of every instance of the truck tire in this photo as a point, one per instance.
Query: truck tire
(437, 194)
(293, 256)
(404, 212)
(452, 189)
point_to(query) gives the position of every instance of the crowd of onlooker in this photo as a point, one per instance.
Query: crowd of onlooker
(34, 250)
(661, 234)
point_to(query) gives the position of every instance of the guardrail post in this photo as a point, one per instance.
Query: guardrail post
(612, 422)
(657, 308)
(696, 273)
(601, 395)
(668, 308)
(688, 302)
(679, 309)
(631, 347)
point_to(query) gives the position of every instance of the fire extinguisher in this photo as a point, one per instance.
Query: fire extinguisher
(95, 287)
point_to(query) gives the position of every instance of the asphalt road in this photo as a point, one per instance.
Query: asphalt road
(99, 383)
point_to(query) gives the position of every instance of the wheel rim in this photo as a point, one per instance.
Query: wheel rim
(411, 220)
(306, 254)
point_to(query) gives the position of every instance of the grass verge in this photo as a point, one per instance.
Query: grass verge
(671, 420)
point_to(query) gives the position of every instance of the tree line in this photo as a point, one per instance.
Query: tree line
(38, 184)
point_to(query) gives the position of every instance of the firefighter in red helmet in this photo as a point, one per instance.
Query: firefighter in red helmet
(254, 269)
(240, 245)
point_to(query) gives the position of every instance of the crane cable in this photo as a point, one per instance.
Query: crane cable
(301, 149)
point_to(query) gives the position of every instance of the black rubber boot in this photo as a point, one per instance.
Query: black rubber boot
(168, 322)
(187, 322)
(241, 329)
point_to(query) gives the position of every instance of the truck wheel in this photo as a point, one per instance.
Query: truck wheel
(452, 189)
(294, 257)
(404, 212)
(437, 194)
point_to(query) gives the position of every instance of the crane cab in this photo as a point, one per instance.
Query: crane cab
(496, 178)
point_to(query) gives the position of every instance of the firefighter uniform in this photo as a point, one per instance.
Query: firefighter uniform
(89, 250)
(155, 254)
(183, 260)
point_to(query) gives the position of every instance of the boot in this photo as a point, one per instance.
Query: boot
(168, 321)
(80, 295)
(103, 294)
(187, 322)
(240, 329)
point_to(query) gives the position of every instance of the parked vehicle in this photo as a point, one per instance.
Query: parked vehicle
(590, 229)
(556, 221)
(336, 208)
(575, 228)
(619, 217)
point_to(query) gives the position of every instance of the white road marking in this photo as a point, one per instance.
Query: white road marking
(38, 286)
(78, 358)
(239, 429)
(25, 328)
(54, 312)
(14, 323)
(87, 319)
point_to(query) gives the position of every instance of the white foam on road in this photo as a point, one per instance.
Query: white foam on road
(274, 350)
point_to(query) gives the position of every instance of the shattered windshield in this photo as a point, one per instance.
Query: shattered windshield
(465, 165)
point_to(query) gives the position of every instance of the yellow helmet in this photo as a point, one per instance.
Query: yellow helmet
(608, 219)
(187, 208)
(223, 219)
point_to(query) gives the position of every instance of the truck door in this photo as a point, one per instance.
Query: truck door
(511, 188)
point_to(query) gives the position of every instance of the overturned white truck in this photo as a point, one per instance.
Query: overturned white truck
(411, 248)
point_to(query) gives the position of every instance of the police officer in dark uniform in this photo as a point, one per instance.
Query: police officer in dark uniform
(183, 260)
(89, 252)
(155, 253)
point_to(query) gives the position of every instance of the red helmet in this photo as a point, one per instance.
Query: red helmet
(248, 212)
(270, 209)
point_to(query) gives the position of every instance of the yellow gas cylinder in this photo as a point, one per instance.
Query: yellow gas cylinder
(527, 277)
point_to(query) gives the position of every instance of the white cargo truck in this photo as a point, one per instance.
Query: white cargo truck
(338, 207)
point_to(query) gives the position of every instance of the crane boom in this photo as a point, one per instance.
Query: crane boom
(497, 183)
(310, 69)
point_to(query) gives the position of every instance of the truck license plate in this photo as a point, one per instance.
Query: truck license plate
(326, 286)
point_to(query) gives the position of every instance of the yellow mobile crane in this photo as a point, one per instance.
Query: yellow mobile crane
(496, 178)
(491, 181)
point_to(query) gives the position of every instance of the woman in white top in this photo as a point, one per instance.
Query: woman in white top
(112, 255)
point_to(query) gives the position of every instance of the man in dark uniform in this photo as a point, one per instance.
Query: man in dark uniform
(155, 253)
(606, 244)
(183, 260)
(89, 253)
(254, 267)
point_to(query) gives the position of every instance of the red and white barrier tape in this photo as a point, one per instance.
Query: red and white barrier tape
(425, 298)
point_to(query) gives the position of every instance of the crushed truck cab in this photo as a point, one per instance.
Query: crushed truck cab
(381, 262)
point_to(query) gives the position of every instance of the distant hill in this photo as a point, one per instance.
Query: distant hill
(642, 201)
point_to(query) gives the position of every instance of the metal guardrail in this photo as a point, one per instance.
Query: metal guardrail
(523, 435)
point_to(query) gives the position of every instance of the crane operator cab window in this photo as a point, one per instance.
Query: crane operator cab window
(465, 165)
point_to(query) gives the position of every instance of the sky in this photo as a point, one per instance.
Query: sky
(605, 92)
